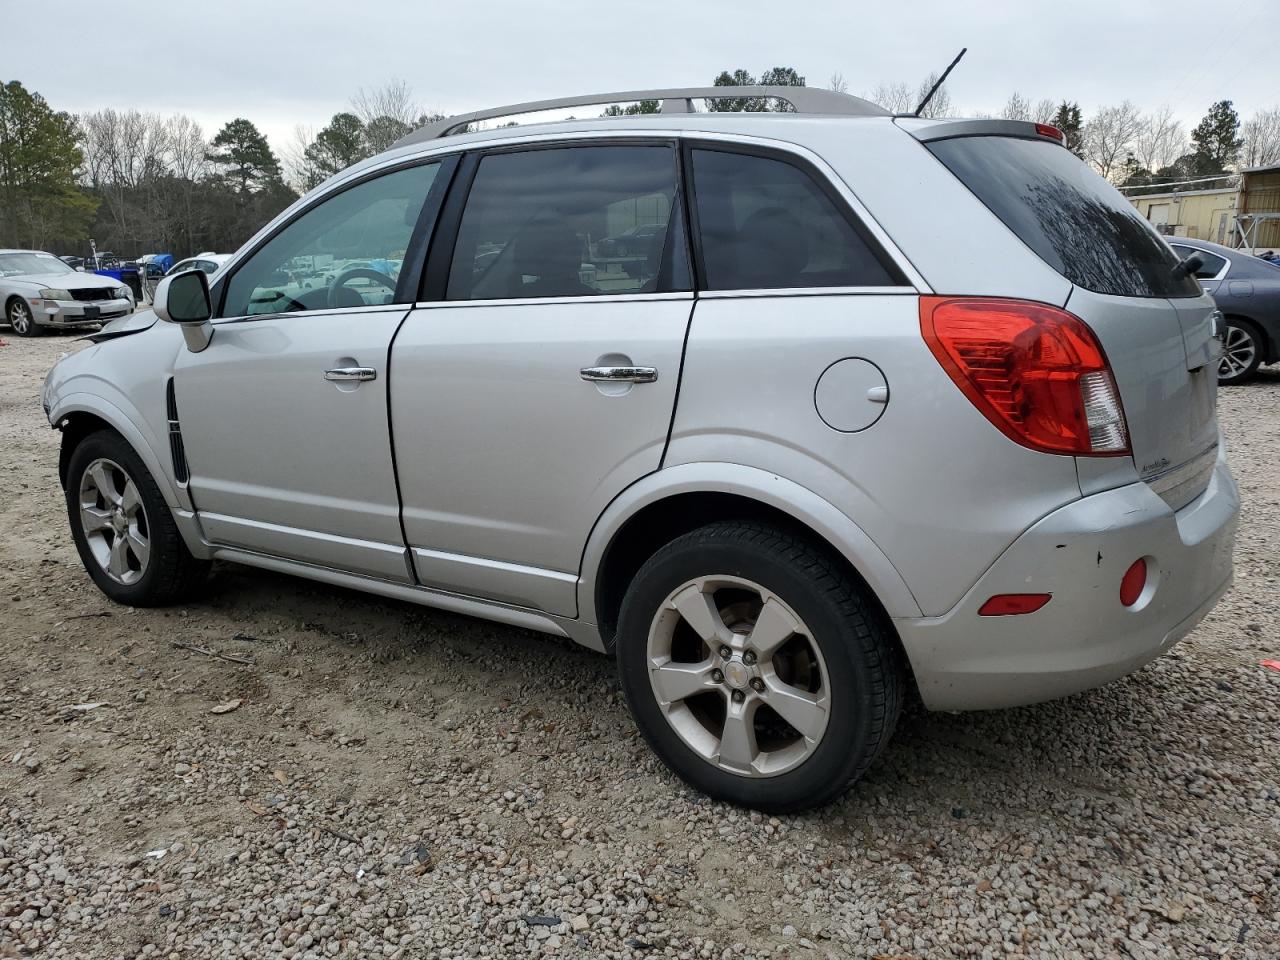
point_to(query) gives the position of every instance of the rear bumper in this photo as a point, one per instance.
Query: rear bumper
(1084, 637)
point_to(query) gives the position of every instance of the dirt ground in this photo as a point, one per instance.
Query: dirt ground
(401, 782)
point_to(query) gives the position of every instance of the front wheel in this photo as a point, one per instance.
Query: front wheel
(122, 526)
(1241, 352)
(21, 319)
(756, 669)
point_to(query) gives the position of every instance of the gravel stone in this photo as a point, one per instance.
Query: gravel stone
(400, 782)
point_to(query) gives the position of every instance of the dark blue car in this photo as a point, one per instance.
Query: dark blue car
(1247, 291)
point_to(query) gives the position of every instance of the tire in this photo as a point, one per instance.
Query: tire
(103, 474)
(20, 318)
(1242, 346)
(841, 659)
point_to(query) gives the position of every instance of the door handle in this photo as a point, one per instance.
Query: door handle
(619, 374)
(347, 374)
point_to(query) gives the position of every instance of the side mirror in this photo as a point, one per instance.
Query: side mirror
(183, 298)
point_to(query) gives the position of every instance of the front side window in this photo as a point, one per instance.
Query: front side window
(345, 252)
(567, 222)
(765, 224)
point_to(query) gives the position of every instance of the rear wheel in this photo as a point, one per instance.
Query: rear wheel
(755, 669)
(21, 319)
(122, 526)
(1241, 351)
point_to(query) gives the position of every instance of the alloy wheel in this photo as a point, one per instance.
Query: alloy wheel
(738, 676)
(114, 521)
(1238, 351)
(20, 318)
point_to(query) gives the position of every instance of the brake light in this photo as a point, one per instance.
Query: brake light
(1035, 371)
(1048, 130)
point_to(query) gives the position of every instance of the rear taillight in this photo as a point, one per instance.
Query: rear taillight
(1048, 130)
(1035, 371)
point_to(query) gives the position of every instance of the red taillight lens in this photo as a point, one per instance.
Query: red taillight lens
(1133, 582)
(1010, 604)
(1048, 130)
(1035, 371)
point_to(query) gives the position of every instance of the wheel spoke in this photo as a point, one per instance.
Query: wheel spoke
(806, 712)
(699, 611)
(130, 501)
(774, 626)
(93, 519)
(139, 547)
(673, 681)
(105, 483)
(118, 564)
(738, 748)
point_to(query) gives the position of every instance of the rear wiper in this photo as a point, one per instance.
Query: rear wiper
(1188, 267)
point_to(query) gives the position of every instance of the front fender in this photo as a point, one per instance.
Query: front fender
(800, 503)
(126, 426)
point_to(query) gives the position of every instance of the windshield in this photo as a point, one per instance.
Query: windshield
(38, 264)
(1077, 222)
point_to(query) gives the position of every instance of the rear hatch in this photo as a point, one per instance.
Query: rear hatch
(1154, 323)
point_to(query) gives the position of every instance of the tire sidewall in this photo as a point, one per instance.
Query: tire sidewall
(851, 722)
(112, 446)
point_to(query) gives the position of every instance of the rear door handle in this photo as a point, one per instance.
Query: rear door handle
(347, 374)
(619, 374)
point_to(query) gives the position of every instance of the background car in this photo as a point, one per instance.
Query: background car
(38, 291)
(1247, 291)
(208, 262)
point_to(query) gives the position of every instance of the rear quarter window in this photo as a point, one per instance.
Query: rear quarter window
(1073, 219)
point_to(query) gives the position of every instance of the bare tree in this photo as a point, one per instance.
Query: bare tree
(1261, 134)
(940, 105)
(1160, 140)
(1109, 137)
(895, 97)
(1017, 107)
(298, 168)
(838, 83)
(1043, 111)
(388, 112)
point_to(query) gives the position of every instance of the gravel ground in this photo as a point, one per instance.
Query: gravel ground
(397, 782)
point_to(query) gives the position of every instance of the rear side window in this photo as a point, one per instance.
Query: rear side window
(1211, 264)
(1073, 219)
(765, 224)
(568, 222)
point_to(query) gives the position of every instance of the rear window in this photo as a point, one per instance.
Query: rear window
(1077, 222)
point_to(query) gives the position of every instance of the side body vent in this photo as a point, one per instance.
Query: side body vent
(176, 451)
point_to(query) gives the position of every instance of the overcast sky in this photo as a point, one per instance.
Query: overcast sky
(286, 63)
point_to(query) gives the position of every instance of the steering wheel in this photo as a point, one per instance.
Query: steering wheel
(348, 275)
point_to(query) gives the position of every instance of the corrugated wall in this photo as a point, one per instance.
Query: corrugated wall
(1261, 194)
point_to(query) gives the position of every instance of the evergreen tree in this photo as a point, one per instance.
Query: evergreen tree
(1069, 120)
(1217, 137)
(243, 156)
(40, 201)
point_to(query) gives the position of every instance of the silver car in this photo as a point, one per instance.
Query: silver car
(39, 291)
(894, 405)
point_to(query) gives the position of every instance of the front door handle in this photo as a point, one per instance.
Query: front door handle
(619, 374)
(347, 374)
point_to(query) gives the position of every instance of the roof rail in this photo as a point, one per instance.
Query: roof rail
(674, 100)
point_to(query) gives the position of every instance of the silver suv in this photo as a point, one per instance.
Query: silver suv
(793, 413)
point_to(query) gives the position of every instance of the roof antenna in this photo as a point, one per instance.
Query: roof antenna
(934, 89)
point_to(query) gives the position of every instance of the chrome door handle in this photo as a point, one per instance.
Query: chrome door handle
(345, 374)
(619, 374)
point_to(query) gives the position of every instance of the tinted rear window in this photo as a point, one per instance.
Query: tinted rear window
(1077, 222)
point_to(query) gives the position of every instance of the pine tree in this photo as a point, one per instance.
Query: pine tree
(1069, 120)
(1217, 137)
